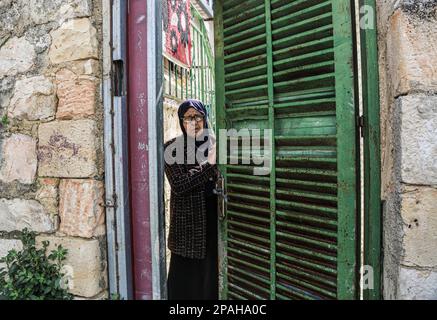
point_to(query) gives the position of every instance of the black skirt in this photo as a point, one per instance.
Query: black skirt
(197, 279)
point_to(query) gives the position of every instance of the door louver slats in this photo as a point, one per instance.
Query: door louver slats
(291, 235)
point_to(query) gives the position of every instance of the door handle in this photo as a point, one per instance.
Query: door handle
(222, 193)
(222, 197)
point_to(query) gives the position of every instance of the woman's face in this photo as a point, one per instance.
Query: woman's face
(192, 127)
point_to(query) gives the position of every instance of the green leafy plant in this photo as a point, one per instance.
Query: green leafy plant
(5, 120)
(31, 274)
(115, 296)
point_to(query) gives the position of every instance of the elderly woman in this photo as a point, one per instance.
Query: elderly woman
(193, 272)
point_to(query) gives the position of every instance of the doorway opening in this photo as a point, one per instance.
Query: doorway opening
(305, 71)
(192, 78)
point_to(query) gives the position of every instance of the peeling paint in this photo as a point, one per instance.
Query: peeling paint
(140, 19)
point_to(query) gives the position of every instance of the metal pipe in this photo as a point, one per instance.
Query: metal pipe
(155, 130)
(139, 144)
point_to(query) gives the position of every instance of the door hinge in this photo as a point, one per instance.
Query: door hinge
(361, 126)
(110, 203)
(223, 197)
(118, 78)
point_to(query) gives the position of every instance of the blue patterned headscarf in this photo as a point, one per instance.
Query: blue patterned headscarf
(200, 107)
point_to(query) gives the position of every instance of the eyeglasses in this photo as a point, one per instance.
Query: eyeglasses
(196, 118)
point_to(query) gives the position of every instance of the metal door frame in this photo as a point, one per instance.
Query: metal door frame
(132, 95)
(372, 154)
(117, 209)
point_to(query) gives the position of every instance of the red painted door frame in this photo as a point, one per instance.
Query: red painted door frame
(138, 151)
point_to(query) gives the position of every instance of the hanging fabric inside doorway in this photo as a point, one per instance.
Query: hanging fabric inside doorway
(177, 31)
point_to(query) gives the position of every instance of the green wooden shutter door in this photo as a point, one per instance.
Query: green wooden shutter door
(289, 66)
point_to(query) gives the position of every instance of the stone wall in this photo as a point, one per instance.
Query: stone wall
(408, 71)
(51, 135)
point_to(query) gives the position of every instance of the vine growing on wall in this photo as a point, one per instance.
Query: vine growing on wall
(31, 274)
(4, 121)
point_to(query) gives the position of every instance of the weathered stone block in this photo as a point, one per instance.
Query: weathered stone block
(417, 284)
(419, 213)
(6, 90)
(100, 296)
(17, 214)
(18, 159)
(418, 139)
(34, 99)
(80, 207)
(9, 244)
(84, 267)
(43, 11)
(88, 67)
(39, 37)
(17, 55)
(67, 149)
(20, 15)
(76, 95)
(47, 194)
(75, 39)
(411, 54)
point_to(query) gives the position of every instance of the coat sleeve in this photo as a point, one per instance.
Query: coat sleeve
(182, 181)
